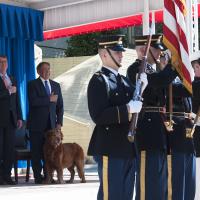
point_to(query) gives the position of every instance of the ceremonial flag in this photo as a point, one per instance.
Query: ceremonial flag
(174, 31)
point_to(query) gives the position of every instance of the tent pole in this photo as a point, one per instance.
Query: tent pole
(145, 18)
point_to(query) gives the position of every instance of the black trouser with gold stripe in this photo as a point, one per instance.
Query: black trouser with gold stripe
(181, 176)
(152, 176)
(117, 178)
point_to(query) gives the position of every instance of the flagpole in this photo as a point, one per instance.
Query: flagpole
(189, 25)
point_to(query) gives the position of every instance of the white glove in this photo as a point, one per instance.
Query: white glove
(143, 78)
(134, 106)
(192, 115)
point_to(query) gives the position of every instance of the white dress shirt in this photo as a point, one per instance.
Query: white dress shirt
(7, 78)
(112, 70)
(48, 82)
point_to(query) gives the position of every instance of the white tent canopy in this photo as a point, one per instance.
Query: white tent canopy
(62, 14)
(65, 13)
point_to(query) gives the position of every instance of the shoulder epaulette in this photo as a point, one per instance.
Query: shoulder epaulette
(138, 60)
(98, 73)
(125, 80)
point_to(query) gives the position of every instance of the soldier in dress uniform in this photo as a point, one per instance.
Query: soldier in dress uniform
(151, 131)
(181, 159)
(195, 108)
(153, 58)
(110, 106)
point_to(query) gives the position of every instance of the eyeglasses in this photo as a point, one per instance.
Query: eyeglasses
(2, 62)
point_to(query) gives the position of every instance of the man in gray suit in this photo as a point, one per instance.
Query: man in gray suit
(45, 112)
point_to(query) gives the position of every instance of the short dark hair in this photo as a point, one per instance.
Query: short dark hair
(3, 56)
(195, 61)
(41, 64)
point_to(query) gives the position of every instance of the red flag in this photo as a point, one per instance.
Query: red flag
(174, 30)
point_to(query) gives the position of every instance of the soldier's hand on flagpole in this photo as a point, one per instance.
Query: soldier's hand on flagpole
(143, 78)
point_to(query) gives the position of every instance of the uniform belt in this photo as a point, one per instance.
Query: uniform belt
(180, 114)
(154, 109)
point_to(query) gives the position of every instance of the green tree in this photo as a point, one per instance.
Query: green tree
(85, 45)
(159, 28)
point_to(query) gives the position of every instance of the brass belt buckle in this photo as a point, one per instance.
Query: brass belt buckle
(169, 126)
(188, 132)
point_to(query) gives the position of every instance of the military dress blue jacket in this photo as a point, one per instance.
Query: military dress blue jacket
(151, 131)
(107, 99)
(195, 107)
(178, 139)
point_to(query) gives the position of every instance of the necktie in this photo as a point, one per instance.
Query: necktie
(47, 87)
(118, 78)
(5, 80)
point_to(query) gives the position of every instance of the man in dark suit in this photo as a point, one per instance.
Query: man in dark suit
(45, 112)
(10, 119)
(111, 106)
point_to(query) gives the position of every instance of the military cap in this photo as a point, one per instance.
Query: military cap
(113, 42)
(156, 41)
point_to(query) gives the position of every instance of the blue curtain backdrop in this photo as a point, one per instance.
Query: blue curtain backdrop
(19, 28)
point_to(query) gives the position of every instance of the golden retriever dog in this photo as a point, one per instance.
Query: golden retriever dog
(58, 156)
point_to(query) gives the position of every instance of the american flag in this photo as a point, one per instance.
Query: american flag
(174, 30)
